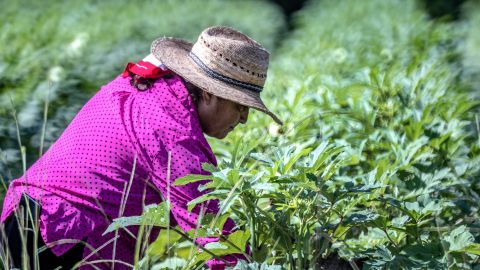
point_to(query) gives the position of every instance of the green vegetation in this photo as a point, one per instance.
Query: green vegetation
(472, 45)
(379, 157)
(65, 50)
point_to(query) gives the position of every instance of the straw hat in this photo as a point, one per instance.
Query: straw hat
(223, 62)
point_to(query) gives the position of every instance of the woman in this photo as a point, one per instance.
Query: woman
(140, 131)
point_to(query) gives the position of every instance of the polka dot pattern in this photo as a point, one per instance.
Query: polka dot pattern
(80, 180)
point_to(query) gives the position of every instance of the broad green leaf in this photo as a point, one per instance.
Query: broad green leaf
(413, 208)
(203, 232)
(165, 239)
(123, 222)
(262, 158)
(473, 248)
(170, 263)
(153, 216)
(226, 204)
(191, 178)
(157, 216)
(294, 159)
(215, 246)
(400, 221)
(264, 203)
(459, 239)
(222, 248)
(198, 200)
(239, 239)
(214, 221)
(209, 167)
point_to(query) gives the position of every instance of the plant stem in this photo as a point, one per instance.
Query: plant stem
(391, 240)
(252, 231)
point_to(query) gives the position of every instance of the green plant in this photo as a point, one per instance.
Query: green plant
(63, 51)
(382, 98)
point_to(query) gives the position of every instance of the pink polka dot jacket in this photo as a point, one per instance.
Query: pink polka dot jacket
(80, 180)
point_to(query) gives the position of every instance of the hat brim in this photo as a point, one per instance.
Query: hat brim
(174, 54)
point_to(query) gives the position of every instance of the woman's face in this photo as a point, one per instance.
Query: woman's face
(219, 116)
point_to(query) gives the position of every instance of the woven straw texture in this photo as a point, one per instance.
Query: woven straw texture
(232, 65)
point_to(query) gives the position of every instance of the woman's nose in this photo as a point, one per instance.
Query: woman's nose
(244, 116)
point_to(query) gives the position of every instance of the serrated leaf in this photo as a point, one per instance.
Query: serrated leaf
(265, 187)
(262, 158)
(315, 154)
(225, 205)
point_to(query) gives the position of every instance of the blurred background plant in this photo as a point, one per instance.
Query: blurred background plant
(65, 50)
(472, 45)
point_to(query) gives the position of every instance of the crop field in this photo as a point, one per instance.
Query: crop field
(377, 165)
(64, 51)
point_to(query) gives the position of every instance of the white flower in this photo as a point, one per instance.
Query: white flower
(387, 54)
(55, 74)
(339, 55)
(75, 47)
(321, 90)
(390, 105)
(273, 129)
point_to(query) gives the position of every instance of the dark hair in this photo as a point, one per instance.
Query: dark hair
(143, 84)
(194, 91)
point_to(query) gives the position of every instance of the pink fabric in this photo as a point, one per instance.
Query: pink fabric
(94, 157)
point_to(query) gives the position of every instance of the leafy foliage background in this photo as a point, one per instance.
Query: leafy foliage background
(379, 156)
(65, 50)
(383, 92)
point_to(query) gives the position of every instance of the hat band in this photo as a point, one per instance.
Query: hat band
(224, 78)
